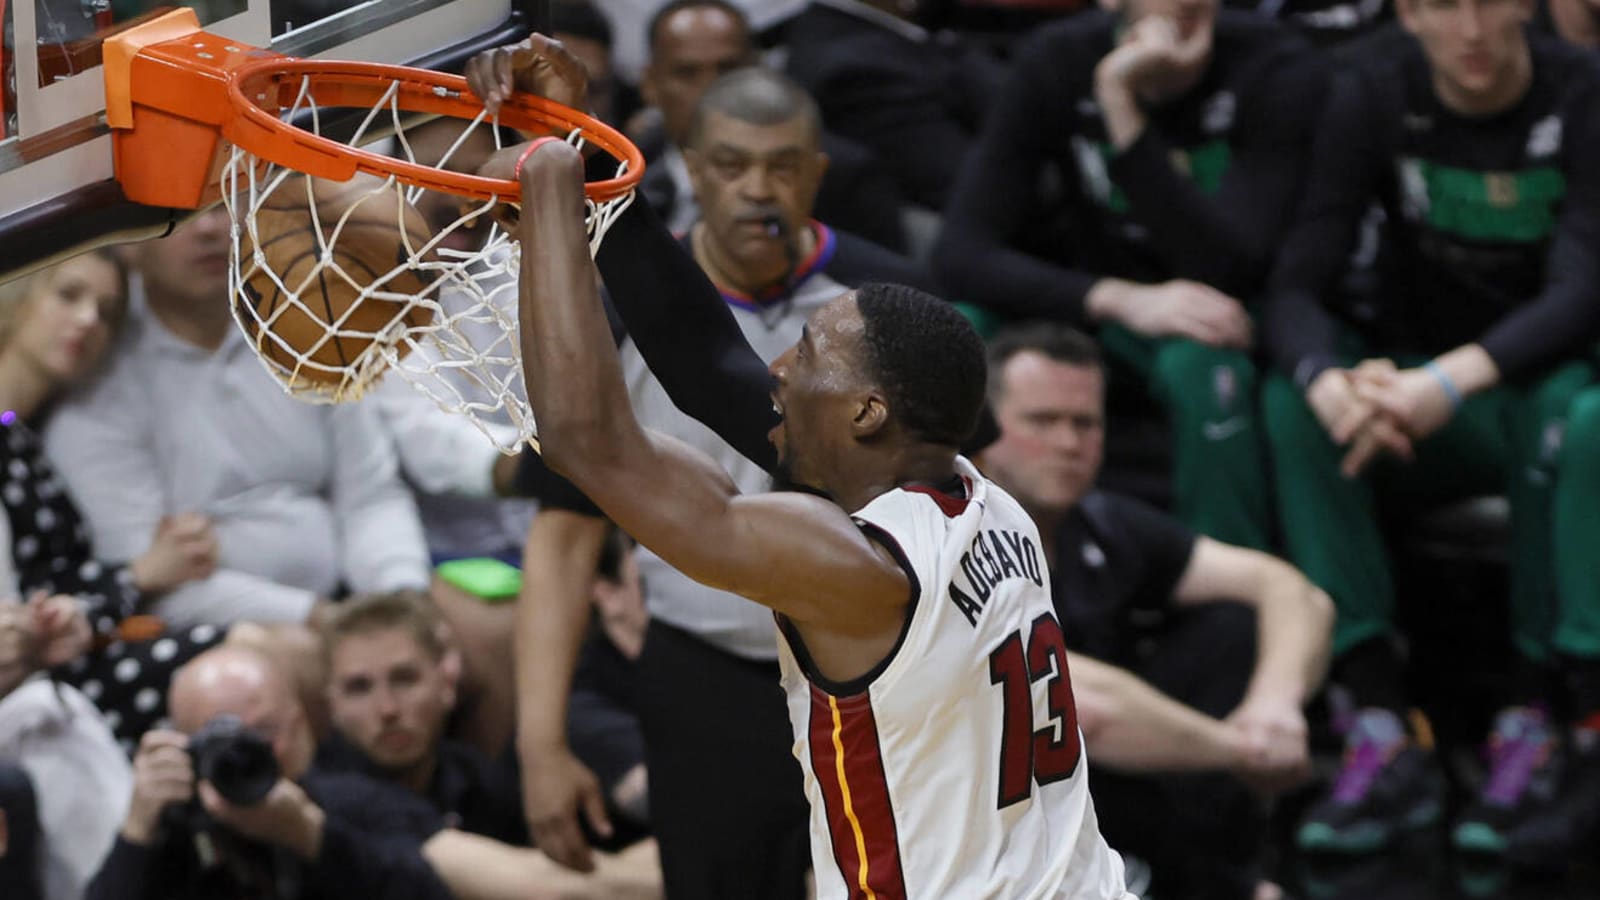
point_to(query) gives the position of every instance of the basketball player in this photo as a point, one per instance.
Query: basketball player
(1179, 132)
(1477, 138)
(754, 159)
(924, 666)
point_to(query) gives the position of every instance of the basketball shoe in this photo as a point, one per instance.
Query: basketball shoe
(1541, 800)
(1389, 783)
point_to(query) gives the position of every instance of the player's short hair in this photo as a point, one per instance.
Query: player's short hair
(1065, 345)
(653, 32)
(405, 610)
(15, 294)
(927, 358)
(580, 18)
(758, 96)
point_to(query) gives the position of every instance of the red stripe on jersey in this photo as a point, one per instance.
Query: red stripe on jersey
(952, 506)
(848, 764)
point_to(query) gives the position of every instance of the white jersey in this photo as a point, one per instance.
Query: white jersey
(955, 769)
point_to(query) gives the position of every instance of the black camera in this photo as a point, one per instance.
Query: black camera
(238, 762)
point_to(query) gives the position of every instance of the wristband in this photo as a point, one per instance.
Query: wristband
(536, 143)
(1445, 382)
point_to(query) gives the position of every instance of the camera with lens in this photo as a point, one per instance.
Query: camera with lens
(238, 762)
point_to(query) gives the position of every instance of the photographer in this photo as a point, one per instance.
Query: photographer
(310, 836)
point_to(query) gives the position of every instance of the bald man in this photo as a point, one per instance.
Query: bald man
(328, 854)
(315, 835)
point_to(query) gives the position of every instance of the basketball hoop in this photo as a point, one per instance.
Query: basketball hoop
(251, 123)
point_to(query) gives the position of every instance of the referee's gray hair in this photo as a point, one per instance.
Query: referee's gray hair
(759, 96)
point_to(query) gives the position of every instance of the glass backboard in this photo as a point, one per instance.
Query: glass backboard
(57, 193)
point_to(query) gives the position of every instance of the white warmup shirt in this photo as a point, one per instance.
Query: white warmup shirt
(445, 458)
(955, 770)
(80, 776)
(303, 497)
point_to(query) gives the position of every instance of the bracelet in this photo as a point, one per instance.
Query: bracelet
(1445, 382)
(536, 143)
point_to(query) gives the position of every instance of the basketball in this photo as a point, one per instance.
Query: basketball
(305, 295)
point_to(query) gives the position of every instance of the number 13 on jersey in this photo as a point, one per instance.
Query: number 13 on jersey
(1045, 754)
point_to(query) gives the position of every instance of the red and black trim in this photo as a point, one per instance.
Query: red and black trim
(952, 499)
(802, 655)
(847, 761)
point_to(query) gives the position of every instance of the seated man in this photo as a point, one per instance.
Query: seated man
(1176, 135)
(315, 834)
(914, 98)
(390, 691)
(1477, 139)
(303, 498)
(390, 695)
(1137, 594)
(343, 836)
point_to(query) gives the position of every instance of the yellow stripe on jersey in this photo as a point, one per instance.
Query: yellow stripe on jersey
(844, 788)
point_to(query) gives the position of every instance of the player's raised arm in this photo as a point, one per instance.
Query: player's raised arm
(794, 552)
(685, 333)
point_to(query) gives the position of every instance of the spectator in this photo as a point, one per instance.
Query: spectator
(1577, 633)
(587, 34)
(304, 498)
(1138, 594)
(603, 714)
(53, 738)
(1180, 137)
(390, 695)
(1478, 140)
(55, 327)
(914, 98)
(157, 853)
(754, 162)
(315, 834)
(692, 43)
(390, 691)
(631, 23)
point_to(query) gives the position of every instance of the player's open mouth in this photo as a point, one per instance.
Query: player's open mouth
(777, 408)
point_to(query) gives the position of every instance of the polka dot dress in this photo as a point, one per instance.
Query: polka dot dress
(51, 552)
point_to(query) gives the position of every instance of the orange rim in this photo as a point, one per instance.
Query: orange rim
(275, 83)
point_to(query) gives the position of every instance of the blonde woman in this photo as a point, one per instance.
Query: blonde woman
(60, 607)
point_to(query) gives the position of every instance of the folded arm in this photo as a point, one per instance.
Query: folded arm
(1294, 617)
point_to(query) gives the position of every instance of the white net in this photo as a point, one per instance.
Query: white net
(338, 284)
